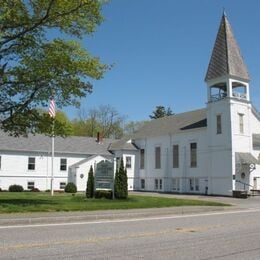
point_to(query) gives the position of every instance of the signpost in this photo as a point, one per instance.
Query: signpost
(104, 176)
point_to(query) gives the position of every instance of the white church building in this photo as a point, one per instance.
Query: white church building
(214, 150)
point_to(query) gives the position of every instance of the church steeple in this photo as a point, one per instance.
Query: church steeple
(226, 58)
(227, 75)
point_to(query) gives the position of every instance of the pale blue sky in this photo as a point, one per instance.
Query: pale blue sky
(161, 50)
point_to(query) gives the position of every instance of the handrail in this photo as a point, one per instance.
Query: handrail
(246, 184)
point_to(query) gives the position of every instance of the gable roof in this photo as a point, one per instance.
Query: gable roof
(77, 164)
(179, 123)
(174, 124)
(41, 143)
(123, 144)
(226, 58)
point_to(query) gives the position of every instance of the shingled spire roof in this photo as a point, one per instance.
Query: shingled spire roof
(226, 58)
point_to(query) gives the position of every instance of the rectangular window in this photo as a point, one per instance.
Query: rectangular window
(191, 184)
(241, 123)
(156, 184)
(63, 164)
(30, 185)
(197, 187)
(160, 184)
(142, 184)
(142, 153)
(128, 164)
(157, 157)
(219, 124)
(62, 185)
(175, 184)
(193, 155)
(31, 163)
(175, 154)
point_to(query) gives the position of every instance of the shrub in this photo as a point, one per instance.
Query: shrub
(15, 188)
(0, 189)
(70, 188)
(107, 194)
(35, 190)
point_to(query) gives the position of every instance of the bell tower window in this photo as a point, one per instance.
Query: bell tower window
(218, 92)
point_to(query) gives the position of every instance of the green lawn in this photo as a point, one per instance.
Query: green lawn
(36, 202)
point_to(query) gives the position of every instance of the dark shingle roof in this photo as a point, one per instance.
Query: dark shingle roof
(42, 143)
(226, 58)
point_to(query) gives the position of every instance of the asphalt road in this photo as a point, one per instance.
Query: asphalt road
(233, 234)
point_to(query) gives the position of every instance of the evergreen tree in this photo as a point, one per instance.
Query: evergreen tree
(121, 189)
(90, 184)
(161, 111)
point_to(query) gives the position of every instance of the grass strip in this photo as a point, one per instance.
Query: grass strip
(22, 202)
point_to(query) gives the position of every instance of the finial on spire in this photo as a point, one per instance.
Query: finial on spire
(224, 12)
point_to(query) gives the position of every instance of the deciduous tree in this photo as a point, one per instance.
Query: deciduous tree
(38, 59)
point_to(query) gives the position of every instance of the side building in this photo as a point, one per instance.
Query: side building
(27, 160)
(214, 150)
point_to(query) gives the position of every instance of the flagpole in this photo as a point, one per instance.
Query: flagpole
(52, 114)
(52, 157)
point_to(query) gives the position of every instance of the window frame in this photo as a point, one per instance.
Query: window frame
(241, 123)
(158, 157)
(62, 183)
(128, 162)
(193, 155)
(63, 166)
(175, 156)
(30, 185)
(156, 184)
(142, 158)
(142, 184)
(219, 124)
(31, 165)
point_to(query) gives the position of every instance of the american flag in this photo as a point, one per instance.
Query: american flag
(52, 111)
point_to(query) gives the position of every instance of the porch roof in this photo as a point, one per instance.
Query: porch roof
(246, 158)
